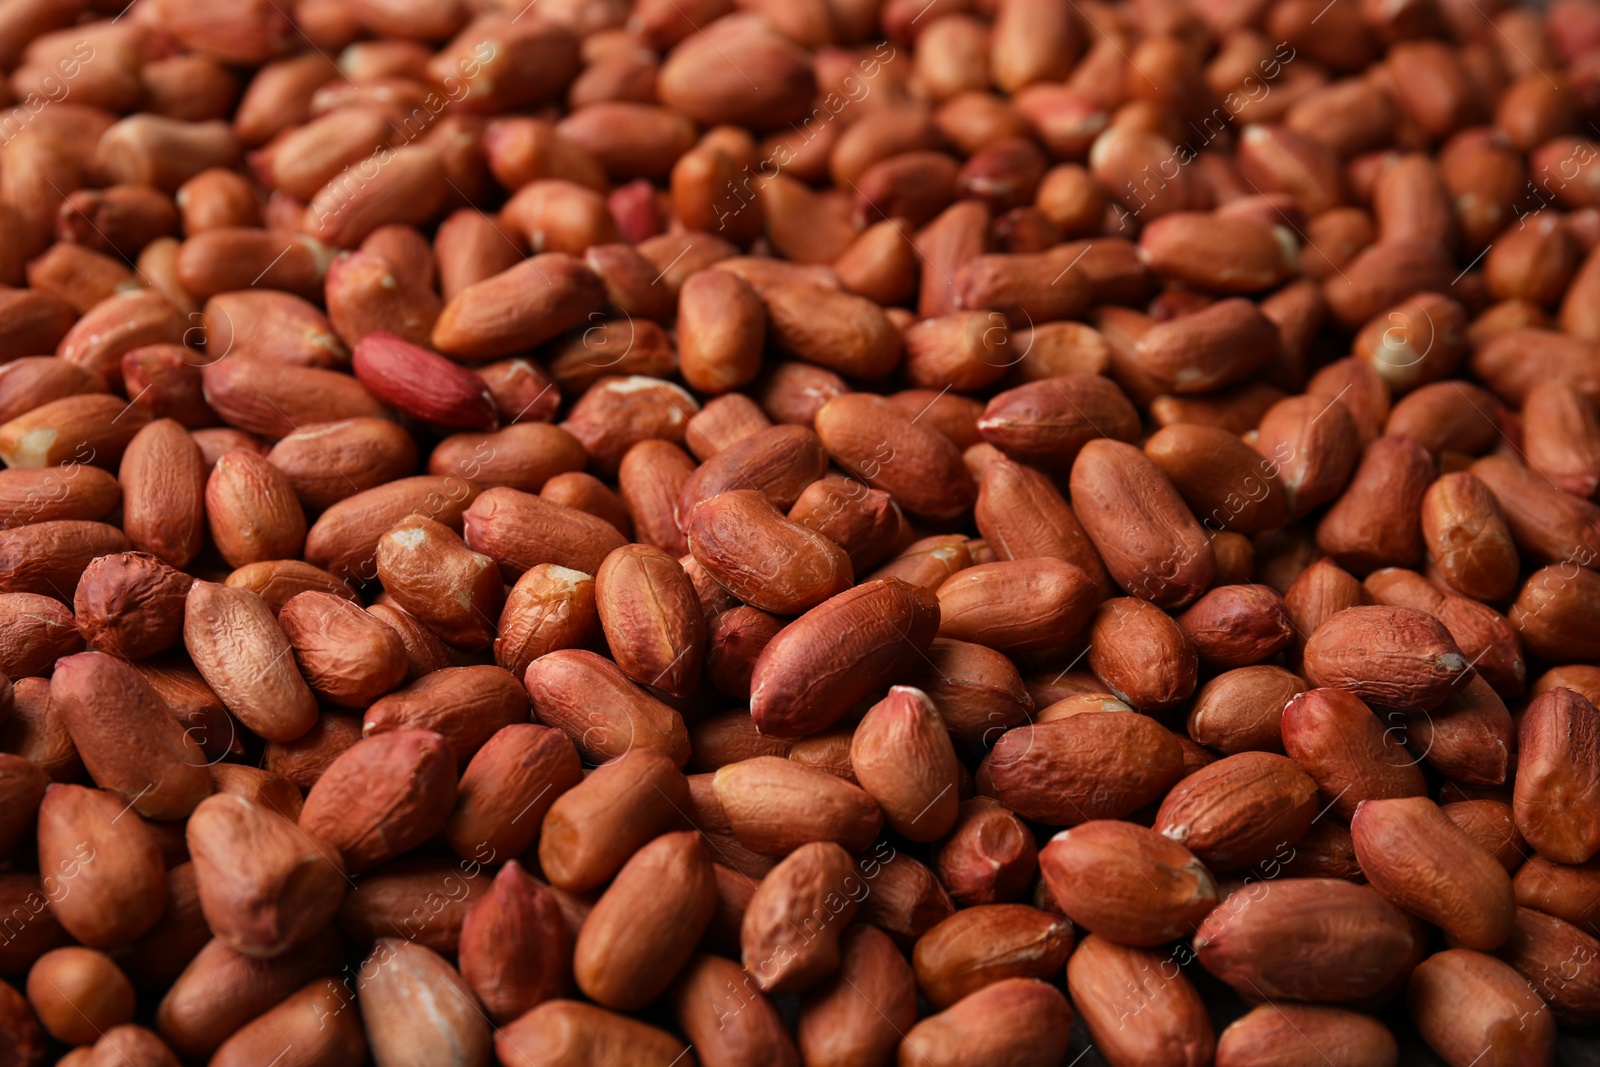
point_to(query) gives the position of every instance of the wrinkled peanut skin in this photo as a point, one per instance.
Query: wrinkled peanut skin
(799, 532)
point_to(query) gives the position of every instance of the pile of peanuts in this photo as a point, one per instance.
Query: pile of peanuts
(944, 533)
